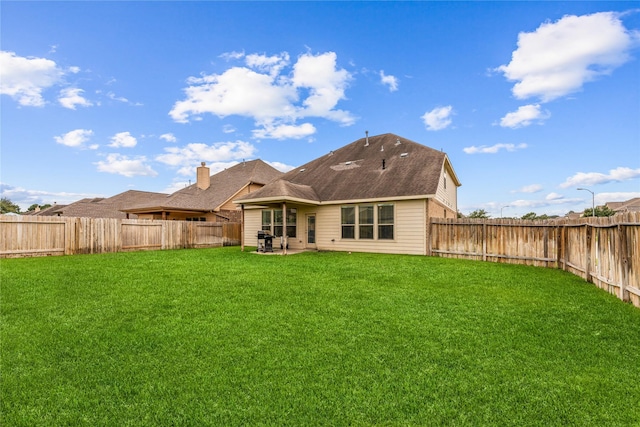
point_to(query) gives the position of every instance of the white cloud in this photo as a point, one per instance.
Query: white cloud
(596, 178)
(559, 57)
(554, 196)
(269, 95)
(272, 65)
(126, 166)
(71, 97)
(237, 91)
(284, 131)
(483, 149)
(123, 139)
(228, 128)
(524, 116)
(390, 81)
(25, 197)
(169, 137)
(188, 157)
(533, 188)
(112, 96)
(439, 118)
(282, 167)
(326, 85)
(24, 79)
(228, 56)
(75, 138)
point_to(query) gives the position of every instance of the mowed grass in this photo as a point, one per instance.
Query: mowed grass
(221, 337)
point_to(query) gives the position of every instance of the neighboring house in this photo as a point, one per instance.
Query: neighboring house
(373, 195)
(110, 207)
(210, 198)
(631, 205)
(50, 211)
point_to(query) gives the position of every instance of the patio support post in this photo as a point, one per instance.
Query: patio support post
(242, 228)
(284, 228)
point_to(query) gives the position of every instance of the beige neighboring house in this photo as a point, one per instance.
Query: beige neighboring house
(210, 198)
(102, 207)
(631, 205)
(373, 195)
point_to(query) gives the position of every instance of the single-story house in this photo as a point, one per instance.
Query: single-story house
(373, 195)
(101, 207)
(210, 198)
(631, 205)
(50, 211)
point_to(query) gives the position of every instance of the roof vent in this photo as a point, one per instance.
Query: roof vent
(382, 148)
(366, 132)
(302, 170)
(398, 141)
(347, 163)
(331, 153)
(404, 154)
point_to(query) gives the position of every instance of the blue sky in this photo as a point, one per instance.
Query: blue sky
(530, 100)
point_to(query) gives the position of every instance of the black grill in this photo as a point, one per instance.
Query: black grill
(265, 242)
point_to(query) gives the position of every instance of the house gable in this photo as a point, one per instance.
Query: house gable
(204, 201)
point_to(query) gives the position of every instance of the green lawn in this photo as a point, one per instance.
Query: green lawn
(221, 337)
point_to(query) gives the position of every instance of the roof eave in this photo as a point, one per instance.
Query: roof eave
(277, 200)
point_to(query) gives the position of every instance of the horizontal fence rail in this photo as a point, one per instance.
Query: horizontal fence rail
(22, 236)
(604, 251)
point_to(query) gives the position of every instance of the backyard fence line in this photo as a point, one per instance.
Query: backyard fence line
(22, 236)
(604, 251)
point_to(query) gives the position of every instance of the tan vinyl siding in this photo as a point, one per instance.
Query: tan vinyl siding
(230, 206)
(252, 223)
(409, 231)
(446, 194)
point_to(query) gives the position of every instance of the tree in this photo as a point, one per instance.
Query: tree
(7, 206)
(479, 213)
(600, 211)
(35, 206)
(534, 216)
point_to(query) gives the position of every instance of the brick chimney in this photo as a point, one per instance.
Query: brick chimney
(203, 177)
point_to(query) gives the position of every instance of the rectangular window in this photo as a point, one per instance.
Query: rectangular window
(266, 221)
(365, 221)
(385, 222)
(348, 220)
(292, 215)
(275, 227)
(277, 222)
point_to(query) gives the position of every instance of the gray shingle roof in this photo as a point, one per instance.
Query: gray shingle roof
(356, 172)
(223, 186)
(107, 207)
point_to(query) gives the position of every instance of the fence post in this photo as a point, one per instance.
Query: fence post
(624, 262)
(559, 231)
(429, 231)
(587, 267)
(484, 240)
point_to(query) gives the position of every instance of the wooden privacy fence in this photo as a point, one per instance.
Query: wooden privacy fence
(604, 251)
(22, 236)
